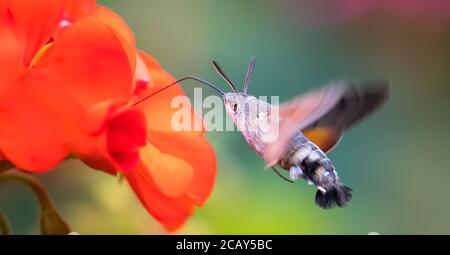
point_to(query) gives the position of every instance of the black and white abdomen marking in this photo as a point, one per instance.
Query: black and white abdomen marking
(311, 162)
(305, 160)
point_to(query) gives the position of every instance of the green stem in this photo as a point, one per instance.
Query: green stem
(4, 224)
(50, 220)
(33, 183)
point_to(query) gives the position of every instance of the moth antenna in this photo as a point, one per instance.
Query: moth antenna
(251, 67)
(178, 81)
(224, 76)
(281, 176)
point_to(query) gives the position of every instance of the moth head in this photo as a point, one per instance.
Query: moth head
(234, 102)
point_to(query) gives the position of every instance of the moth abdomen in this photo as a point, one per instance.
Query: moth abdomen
(338, 195)
(307, 155)
(306, 160)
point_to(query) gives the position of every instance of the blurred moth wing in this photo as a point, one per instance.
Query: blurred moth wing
(324, 115)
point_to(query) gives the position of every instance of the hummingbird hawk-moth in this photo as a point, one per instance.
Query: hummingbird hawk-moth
(308, 127)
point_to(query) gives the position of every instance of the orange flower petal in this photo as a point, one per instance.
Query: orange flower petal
(161, 120)
(171, 212)
(113, 20)
(110, 138)
(10, 57)
(198, 153)
(172, 175)
(31, 130)
(91, 61)
(86, 65)
(190, 146)
(121, 30)
(34, 23)
(40, 127)
(77, 9)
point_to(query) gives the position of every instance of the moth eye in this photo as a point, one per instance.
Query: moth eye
(235, 107)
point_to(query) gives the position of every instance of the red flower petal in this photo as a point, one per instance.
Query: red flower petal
(161, 119)
(171, 212)
(31, 133)
(77, 9)
(11, 54)
(126, 134)
(86, 65)
(195, 151)
(34, 23)
(172, 175)
(191, 146)
(155, 181)
(110, 138)
(91, 61)
(121, 30)
(113, 20)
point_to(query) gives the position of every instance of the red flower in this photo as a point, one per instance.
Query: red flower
(178, 168)
(48, 102)
(69, 76)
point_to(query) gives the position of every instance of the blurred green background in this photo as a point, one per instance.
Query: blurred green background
(397, 161)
